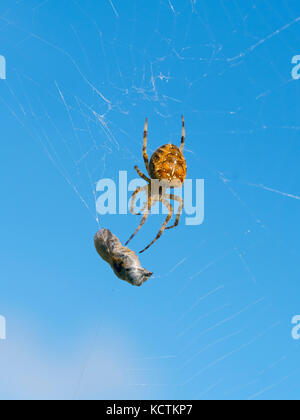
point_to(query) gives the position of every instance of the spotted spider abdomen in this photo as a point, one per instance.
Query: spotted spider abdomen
(168, 164)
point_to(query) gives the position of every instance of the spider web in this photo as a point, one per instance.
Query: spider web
(224, 292)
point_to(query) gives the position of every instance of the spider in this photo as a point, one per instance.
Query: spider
(168, 167)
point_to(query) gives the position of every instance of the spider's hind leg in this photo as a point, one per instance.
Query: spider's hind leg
(145, 154)
(140, 173)
(183, 134)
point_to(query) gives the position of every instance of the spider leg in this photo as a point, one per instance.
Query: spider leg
(145, 154)
(143, 220)
(133, 200)
(183, 134)
(143, 209)
(169, 217)
(140, 173)
(180, 200)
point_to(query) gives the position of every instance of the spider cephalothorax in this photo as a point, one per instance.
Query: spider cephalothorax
(167, 167)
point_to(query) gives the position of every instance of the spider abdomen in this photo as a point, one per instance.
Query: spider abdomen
(168, 164)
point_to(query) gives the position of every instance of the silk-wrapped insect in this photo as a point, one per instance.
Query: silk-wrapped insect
(124, 262)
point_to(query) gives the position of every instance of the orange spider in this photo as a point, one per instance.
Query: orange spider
(167, 167)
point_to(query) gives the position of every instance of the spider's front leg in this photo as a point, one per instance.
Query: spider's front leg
(180, 200)
(143, 220)
(169, 217)
(134, 199)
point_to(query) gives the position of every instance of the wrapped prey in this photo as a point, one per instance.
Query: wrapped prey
(124, 262)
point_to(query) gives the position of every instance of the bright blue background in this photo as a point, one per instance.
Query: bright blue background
(215, 322)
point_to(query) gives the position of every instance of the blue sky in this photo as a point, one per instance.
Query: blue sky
(215, 321)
